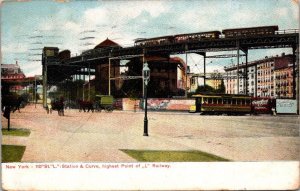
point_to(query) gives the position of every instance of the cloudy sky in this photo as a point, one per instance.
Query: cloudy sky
(27, 27)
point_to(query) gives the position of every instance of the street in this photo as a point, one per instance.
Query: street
(99, 136)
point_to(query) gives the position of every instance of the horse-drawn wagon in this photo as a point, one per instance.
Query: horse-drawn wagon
(104, 102)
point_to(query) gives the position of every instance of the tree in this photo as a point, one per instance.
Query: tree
(205, 89)
(221, 88)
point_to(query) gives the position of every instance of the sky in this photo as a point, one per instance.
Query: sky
(28, 26)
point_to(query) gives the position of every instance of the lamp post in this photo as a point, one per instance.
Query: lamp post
(146, 79)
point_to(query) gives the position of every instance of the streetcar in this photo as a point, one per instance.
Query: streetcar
(216, 104)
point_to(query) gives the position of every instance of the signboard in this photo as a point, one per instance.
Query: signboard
(286, 106)
(262, 105)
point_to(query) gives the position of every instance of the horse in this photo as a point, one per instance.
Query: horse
(86, 105)
(13, 101)
(59, 106)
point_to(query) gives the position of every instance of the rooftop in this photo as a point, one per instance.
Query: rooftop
(107, 43)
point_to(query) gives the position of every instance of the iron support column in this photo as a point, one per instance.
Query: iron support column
(34, 91)
(246, 84)
(238, 69)
(109, 76)
(186, 67)
(45, 83)
(90, 83)
(204, 68)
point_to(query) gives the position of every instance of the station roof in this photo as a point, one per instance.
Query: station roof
(107, 43)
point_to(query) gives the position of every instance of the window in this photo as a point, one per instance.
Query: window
(242, 102)
(214, 100)
(233, 101)
(248, 102)
(219, 101)
(225, 101)
(198, 101)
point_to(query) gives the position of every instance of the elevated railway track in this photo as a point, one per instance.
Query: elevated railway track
(58, 70)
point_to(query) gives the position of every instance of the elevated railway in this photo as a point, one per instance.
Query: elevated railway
(201, 47)
(56, 70)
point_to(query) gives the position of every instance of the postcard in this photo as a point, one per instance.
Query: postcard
(150, 95)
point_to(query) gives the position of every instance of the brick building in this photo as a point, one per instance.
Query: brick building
(12, 72)
(167, 75)
(268, 77)
(283, 75)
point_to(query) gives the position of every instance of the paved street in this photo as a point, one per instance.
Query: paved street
(92, 137)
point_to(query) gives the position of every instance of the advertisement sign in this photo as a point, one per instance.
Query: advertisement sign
(286, 106)
(262, 105)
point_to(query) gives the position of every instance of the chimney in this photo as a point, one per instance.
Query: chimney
(283, 54)
(17, 62)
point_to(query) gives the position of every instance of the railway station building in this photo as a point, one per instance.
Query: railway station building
(101, 70)
(167, 76)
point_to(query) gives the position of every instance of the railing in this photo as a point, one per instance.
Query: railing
(287, 31)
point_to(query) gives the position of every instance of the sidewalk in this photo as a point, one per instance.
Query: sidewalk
(98, 137)
(14, 140)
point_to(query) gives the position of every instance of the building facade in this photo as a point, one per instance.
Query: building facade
(167, 76)
(268, 77)
(12, 72)
(101, 70)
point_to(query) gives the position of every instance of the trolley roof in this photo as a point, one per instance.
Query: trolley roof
(222, 96)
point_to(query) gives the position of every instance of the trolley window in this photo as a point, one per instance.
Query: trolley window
(243, 102)
(225, 101)
(248, 101)
(198, 101)
(214, 100)
(219, 101)
(234, 101)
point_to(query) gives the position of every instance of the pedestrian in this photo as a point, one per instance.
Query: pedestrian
(49, 106)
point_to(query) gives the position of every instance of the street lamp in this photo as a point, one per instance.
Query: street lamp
(146, 79)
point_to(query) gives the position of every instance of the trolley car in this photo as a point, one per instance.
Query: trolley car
(222, 104)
